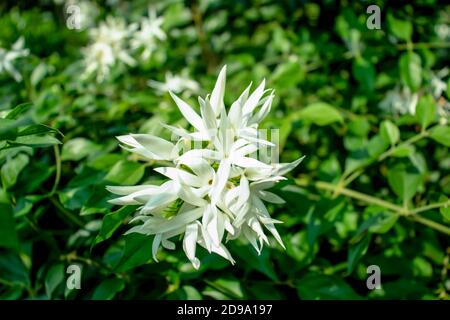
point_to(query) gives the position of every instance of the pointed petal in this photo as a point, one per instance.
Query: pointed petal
(189, 114)
(218, 92)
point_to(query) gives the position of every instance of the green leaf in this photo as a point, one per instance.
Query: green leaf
(356, 252)
(125, 173)
(445, 210)
(389, 132)
(231, 287)
(8, 129)
(410, 66)
(8, 233)
(108, 289)
(364, 73)
(404, 180)
(19, 110)
(441, 134)
(400, 28)
(315, 286)
(36, 141)
(320, 113)
(377, 145)
(112, 221)
(78, 148)
(11, 169)
(425, 110)
(53, 279)
(404, 150)
(38, 74)
(37, 129)
(137, 251)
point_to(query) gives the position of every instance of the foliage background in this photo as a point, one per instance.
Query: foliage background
(330, 74)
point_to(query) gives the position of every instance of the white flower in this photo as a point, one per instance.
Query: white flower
(7, 58)
(400, 101)
(214, 192)
(174, 83)
(150, 31)
(109, 45)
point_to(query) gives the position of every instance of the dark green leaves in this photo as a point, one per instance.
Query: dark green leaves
(108, 289)
(137, 251)
(112, 221)
(55, 275)
(364, 72)
(8, 234)
(315, 286)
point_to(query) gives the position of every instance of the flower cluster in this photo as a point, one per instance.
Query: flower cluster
(114, 41)
(214, 192)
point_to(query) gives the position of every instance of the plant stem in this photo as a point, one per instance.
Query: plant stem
(402, 211)
(66, 212)
(430, 207)
(411, 140)
(361, 196)
(58, 170)
(423, 45)
(431, 224)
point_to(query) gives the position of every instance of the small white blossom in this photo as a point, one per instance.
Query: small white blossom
(149, 32)
(109, 45)
(174, 83)
(7, 58)
(215, 192)
(400, 101)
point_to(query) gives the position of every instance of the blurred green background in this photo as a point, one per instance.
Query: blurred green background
(368, 107)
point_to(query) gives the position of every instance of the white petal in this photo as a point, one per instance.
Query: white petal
(190, 243)
(246, 162)
(191, 116)
(155, 245)
(222, 176)
(218, 92)
(270, 197)
(253, 100)
(180, 176)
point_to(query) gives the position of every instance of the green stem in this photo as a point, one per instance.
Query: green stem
(403, 211)
(411, 140)
(360, 196)
(431, 206)
(58, 170)
(66, 213)
(423, 45)
(431, 224)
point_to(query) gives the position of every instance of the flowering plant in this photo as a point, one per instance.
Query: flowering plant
(213, 193)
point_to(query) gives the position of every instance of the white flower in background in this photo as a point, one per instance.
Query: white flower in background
(400, 100)
(7, 58)
(215, 192)
(437, 84)
(148, 34)
(109, 46)
(175, 83)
